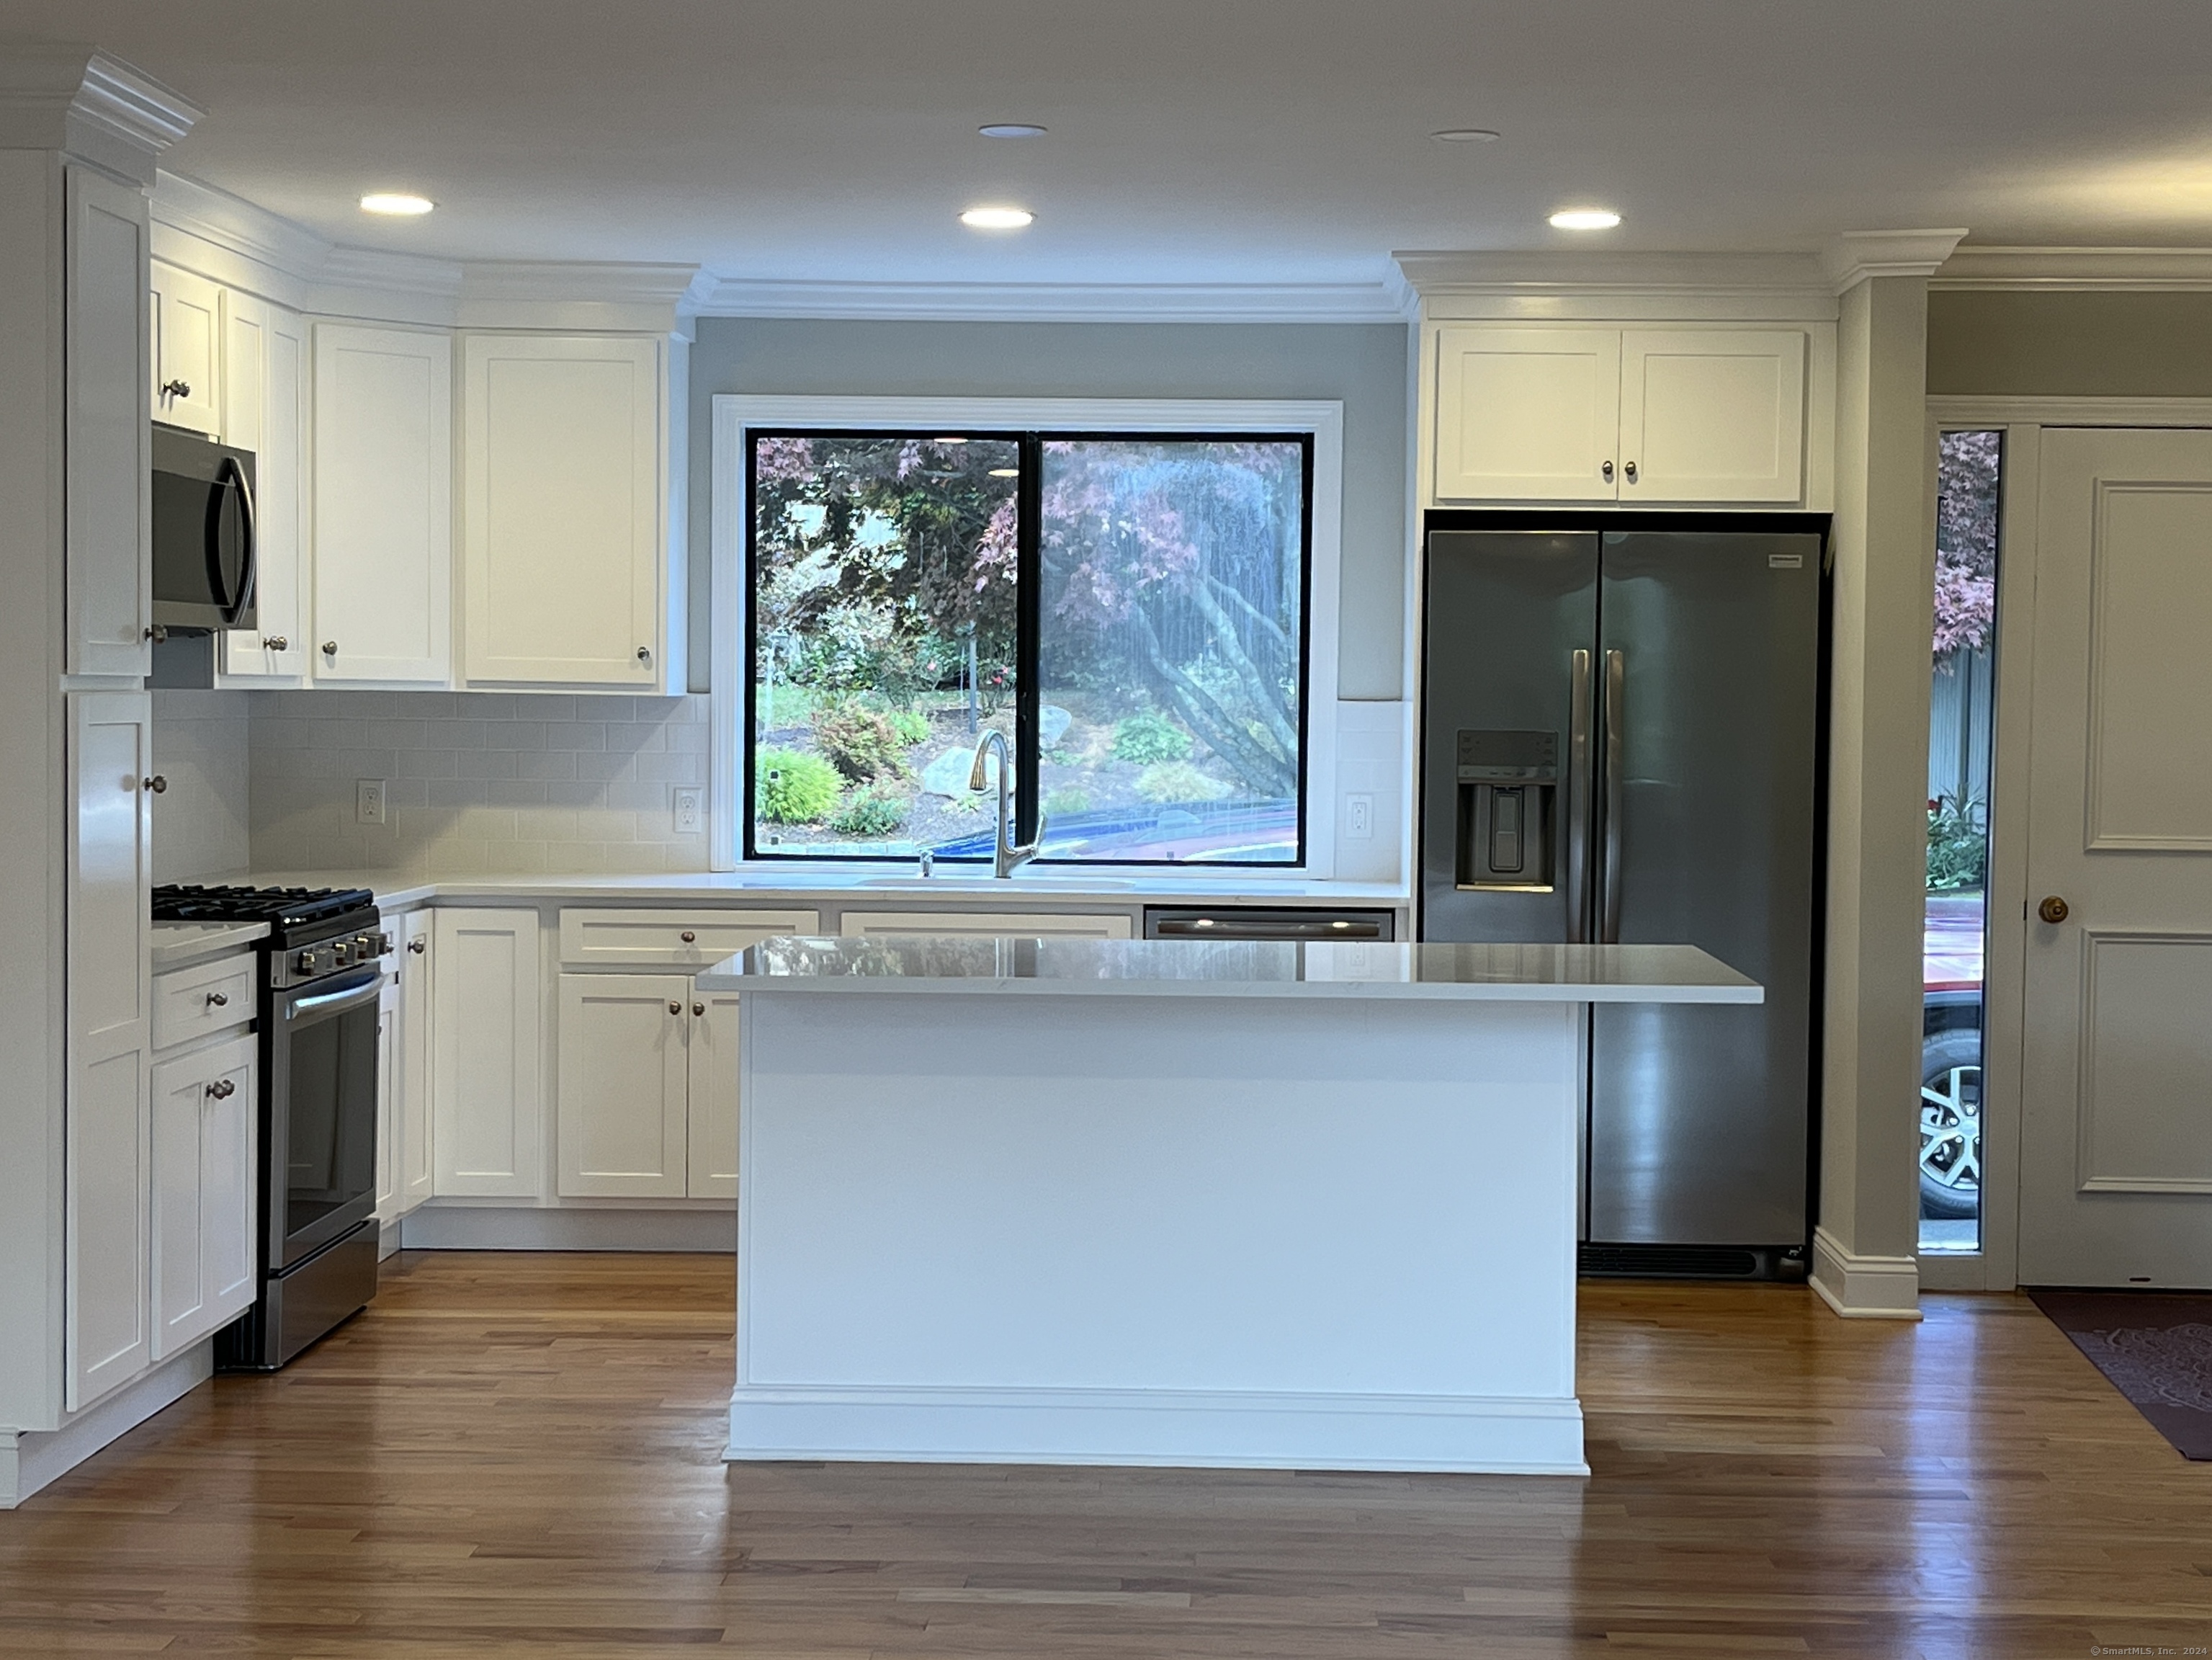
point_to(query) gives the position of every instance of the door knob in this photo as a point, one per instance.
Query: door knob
(2052, 909)
(158, 784)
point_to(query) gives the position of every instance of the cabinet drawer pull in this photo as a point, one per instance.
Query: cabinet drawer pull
(644, 654)
(158, 784)
(417, 946)
(217, 1000)
(675, 1008)
(176, 389)
(1605, 470)
(698, 1008)
(222, 1089)
(330, 648)
(1629, 467)
(275, 643)
(687, 937)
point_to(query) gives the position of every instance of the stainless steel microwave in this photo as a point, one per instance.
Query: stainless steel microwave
(204, 538)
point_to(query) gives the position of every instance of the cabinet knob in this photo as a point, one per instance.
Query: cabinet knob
(675, 1008)
(1605, 470)
(157, 634)
(1629, 467)
(275, 643)
(417, 946)
(689, 938)
(158, 784)
(644, 654)
(216, 1000)
(330, 648)
(698, 1008)
(2053, 910)
(174, 389)
(222, 1089)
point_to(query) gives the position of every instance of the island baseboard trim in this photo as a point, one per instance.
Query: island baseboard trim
(31, 1459)
(1223, 1430)
(1864, 1287)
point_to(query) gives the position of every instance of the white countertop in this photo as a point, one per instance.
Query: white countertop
(176, 944)
(1154, 968)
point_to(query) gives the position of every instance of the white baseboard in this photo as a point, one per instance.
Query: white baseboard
(30, 1459)
(1864, 1287)
(497, 1227)
(1192, 1429)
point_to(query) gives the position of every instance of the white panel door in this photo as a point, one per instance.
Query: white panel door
(108, 442)
(2116, 1132)
(487, 1115)
(1026, 925)
(110, 1130)
(560, 495)
(383, 505)
(265, 410)
(1528, 415)
(624, 1113)
(417, 1177)
(187, 350)
(713, 1095)
(1712, 414)
(390, 1151)
(203, 1202)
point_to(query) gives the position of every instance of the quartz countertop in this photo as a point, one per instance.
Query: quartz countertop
(176, 944)
(1155, 968)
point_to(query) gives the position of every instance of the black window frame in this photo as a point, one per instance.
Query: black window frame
(1029, 497)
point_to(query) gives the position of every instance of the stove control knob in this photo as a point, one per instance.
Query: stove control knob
(305, 963)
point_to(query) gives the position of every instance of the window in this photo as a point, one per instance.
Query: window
(1132, 609)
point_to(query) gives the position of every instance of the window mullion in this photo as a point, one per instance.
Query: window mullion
(1029, 520)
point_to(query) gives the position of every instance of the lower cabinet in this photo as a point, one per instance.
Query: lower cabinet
(403, 1157)
(487, 1129)
(203, 1209)
(648, 1098)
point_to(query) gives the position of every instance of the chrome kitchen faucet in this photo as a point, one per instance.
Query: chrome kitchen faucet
(1005, 857)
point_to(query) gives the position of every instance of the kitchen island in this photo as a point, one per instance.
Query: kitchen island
(1155, 1202)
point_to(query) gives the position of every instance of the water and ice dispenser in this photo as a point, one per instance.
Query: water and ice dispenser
(1508, 810)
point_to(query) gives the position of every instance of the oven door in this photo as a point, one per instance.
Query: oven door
(321, 1168)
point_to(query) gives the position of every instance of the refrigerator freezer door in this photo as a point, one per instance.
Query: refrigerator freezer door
(1699, 1117)
(1508, 622)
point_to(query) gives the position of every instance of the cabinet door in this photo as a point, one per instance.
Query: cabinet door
(1526, 414)
(187, 350)
(417, 1178)
(561, 518)
(1712, 414)
(109, 1150)
(487, 1118)
(107, 441)
(203, 1218)
(389, 1150)
(624, 1116)
(713, 1095)
(383, 505)
(265, 409)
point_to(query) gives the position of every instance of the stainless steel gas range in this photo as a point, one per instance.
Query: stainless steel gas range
(321, 969)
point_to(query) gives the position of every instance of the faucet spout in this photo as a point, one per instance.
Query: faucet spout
(1007, 857)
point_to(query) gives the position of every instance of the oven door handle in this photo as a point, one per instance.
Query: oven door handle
(336, 1002)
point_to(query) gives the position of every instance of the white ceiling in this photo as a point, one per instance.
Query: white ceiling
(1192, 141)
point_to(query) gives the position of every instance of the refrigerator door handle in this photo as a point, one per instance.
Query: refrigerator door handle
(1576, 810)
(1609, 887)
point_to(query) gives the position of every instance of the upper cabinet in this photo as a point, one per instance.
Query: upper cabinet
(1599, 413)
(563, 492)
(264, 393)
(107, 443)
(383, 505)
(187, 349)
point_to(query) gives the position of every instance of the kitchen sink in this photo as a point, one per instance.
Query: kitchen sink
(1012, 887)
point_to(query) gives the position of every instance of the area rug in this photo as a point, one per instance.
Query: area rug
(2154, 1346)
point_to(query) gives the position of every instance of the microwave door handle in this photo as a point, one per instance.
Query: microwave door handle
(230, 475)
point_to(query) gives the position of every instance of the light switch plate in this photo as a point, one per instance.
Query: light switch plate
(369, 801)
(691, 810)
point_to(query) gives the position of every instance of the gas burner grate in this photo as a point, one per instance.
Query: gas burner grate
(281, 908)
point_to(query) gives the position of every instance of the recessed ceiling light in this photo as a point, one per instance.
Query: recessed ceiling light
(396, 202)
(1585, 219)
(1005, 472)
(1465, 134)
(996, 218)
(1011, 129)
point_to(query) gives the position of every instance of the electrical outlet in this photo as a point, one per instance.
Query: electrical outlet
(691, 809)
(1359, 816)
(369, 801)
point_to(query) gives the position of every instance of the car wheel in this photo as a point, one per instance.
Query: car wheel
(1951, 1124)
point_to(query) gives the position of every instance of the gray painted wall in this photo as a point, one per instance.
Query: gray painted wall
(1364, 366)
(2025, 344)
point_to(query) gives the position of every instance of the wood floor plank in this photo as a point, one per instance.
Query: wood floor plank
(516, 1454)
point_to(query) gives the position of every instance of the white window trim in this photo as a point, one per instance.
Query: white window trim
(735, 415)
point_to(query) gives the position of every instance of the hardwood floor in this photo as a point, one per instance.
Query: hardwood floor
(520, 1454)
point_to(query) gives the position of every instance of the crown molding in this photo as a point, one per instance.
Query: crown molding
(80, 100)
(1856, 255)
(1541, 284)
(2112, 270)
(1055, 303)
(577, 294)
(234, 242)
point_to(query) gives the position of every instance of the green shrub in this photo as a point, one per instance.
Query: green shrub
(870, 812)
(790, 787)
(912, 726)
(1066, 799)
(1957, 843)
(1178, 781)
(1147, 738)
(860, 742)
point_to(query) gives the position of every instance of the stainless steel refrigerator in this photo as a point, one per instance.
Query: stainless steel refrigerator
(1621, 742)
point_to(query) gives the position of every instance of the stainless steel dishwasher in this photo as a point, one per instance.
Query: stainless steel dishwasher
(1254, 922)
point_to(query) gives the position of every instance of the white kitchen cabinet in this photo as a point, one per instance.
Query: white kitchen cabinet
(390, 1151)
(205, 1154)
(382, 510)
(487, 1113)
(634, 937)
(713, 1095)
(1712, 414)
(1026, 925)
(1599, 413)
(623, 1125)
(109, 1150)
(413, 1061)
(107, 442)
(563, 541)
(265, 410)
(187, 317)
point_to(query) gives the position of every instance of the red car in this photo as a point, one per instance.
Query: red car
(1951, 1056)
